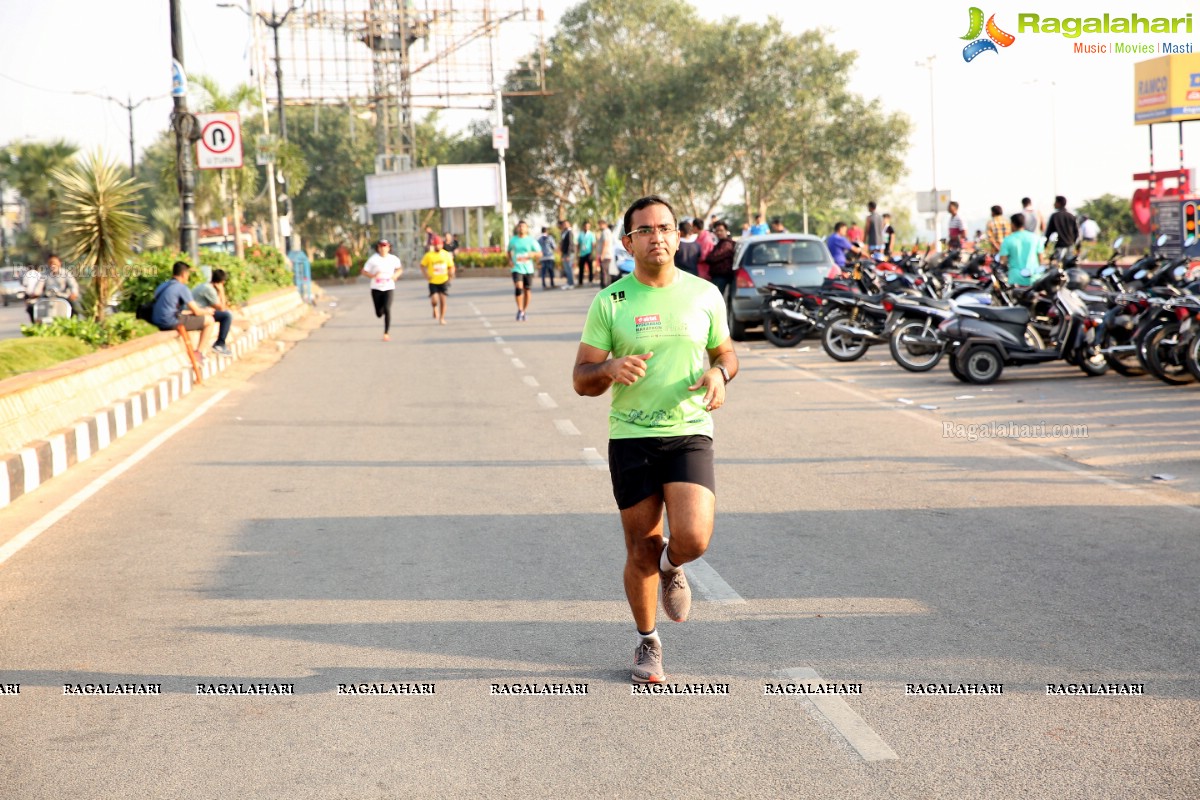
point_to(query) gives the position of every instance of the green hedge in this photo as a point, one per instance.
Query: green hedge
(115, 329)
(264, 269)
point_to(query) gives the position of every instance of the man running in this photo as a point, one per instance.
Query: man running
(438, 267)
(658, 324)
(383, 269)
(523, 249)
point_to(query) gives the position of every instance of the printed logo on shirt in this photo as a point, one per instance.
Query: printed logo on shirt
(647, 323)
(995, 36)
(618, 297)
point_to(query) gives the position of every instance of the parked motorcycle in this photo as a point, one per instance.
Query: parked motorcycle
(984, 340)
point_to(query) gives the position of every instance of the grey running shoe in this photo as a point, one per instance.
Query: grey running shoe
(676, 594)
(647, 662)
(222, 349)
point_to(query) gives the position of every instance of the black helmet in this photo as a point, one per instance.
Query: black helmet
(1077, 278)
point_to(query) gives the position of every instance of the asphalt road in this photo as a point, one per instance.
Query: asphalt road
(434, 510)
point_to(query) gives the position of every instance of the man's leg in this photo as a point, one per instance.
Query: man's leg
(433, 302)
(442, 307)
(643, 524)
(225, 321)
(691, 509)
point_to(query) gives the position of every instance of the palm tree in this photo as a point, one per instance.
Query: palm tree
(26, 167)
(99, 220)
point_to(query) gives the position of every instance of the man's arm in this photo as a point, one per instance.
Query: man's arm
(594, 371)
(712, 381)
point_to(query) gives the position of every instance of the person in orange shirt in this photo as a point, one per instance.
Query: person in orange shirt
(341, 260)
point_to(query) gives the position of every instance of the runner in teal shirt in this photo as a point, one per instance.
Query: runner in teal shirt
(523, 252)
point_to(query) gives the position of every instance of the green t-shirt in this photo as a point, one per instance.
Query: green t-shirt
(525, 252)
(587, 240)
(679, 324)
(1022, 248)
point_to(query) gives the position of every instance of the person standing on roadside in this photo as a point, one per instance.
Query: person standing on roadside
(658, 338)
(998, 229)
(1063, 223)
(566, 252)
(688, 255)
(1033, 220)
(720, 260)
(889, 235)
(587, 241)
(1020, 252)
(606, 248)
(707, 240)
(438, 267)
(341, 260)
(874, 231)
(956, 232)
(383, 269)
(522, 250)
(548, 245)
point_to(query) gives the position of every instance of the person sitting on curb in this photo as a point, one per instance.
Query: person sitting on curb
(172, 303)
(211, 295)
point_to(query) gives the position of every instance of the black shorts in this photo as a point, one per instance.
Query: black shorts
(190, 322)
(525, 278)
(439, 288)
(640, 467)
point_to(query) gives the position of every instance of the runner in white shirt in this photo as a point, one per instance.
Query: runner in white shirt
(383, 269)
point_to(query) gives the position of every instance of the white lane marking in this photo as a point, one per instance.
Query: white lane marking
(475, 309)
(499, 340)
(850, 725)
(710, 585)
(14, 545)
(530, 381)
(518, 363)
(594, 460)
(546, 401)
(932, 421)
(508, 351)
(567, 428)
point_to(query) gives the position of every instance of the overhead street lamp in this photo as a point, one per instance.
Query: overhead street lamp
(129, 106)
(275, 22)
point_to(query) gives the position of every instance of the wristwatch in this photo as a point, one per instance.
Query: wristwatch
(724, 374)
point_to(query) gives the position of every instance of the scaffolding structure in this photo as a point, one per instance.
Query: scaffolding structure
(385, 59)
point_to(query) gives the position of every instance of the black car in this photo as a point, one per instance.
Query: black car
(792, 259)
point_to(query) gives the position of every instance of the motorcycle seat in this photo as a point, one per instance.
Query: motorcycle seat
(1013, 315)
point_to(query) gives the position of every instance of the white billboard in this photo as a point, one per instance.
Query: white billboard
(447, 186)
(468, 185)
(401, 191)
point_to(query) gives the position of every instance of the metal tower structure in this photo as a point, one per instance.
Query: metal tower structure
(385, 59)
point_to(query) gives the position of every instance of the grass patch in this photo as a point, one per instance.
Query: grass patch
(27, 355)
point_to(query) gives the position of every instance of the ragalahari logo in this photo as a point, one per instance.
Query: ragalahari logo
(995, 36)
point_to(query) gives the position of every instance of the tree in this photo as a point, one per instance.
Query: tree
(1113, 214)
(27, 167)
(779, 118)
(99, 220)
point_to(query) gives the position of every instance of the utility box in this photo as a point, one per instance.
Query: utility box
(1176, 218)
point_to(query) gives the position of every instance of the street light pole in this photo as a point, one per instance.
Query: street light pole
(928, 63)
(275, 22)
(260, 78)
(184, 124)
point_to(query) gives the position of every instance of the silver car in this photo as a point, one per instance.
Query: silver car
(11, 288)
(792, 259)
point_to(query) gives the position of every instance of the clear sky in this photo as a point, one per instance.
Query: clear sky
(1006, 124)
